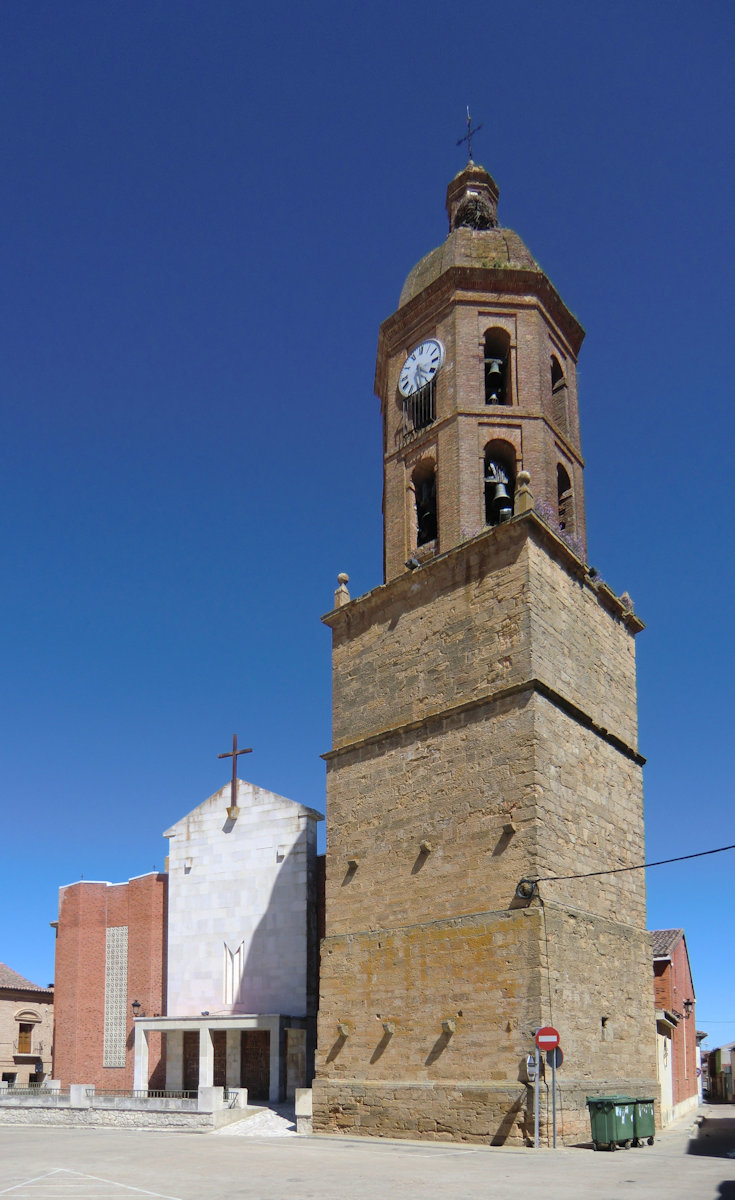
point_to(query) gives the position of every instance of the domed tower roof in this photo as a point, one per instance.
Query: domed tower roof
(475, 239)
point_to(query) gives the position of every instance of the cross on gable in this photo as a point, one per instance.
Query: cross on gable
(233, 754)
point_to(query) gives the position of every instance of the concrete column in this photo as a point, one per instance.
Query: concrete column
(140, 1059)
(232, 1068)
(206, 1058)
(274, 1089)
(174, 1060)
(80, 1095)
(304, 1110)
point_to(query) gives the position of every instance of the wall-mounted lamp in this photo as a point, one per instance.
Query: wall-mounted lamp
(137, 1008)
(688, 1006)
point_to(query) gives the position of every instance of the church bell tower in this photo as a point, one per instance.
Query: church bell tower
(485, 767)
(476, 375)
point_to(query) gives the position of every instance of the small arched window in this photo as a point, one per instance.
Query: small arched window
(559, 405)
(500, 481)
(564, 499)
(497, 373)
(424, 487)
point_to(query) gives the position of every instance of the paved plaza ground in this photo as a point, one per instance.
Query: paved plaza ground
(687, 1162)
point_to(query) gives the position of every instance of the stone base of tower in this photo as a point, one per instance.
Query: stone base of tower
(484, 733)
(425, 1030)
(442, 1112)
(487, 1113)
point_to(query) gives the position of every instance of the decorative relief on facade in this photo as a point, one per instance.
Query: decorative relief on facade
(234, 965)
(116, 996)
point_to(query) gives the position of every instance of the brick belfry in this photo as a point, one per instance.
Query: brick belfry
(484, 733)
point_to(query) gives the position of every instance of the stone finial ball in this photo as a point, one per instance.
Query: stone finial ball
(524, 478)
(343, 578)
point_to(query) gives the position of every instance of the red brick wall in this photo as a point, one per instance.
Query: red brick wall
(672, 985)
(684, 1039)
(86, 911)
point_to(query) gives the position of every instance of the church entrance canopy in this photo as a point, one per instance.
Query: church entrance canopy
(265, 1053)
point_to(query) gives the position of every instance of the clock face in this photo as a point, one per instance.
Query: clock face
(421, 366)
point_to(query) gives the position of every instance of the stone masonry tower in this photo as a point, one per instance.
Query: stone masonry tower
(484, 732)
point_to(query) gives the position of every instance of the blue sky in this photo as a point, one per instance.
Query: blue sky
(207, 210)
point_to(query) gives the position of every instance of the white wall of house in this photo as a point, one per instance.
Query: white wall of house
(665, 1066)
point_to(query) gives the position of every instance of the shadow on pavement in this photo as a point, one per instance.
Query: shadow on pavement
(716, 1138)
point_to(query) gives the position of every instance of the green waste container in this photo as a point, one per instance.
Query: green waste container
(612, 1120)
(643, 1122)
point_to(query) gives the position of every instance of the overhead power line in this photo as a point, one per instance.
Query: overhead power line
(639, 866)
(527, 887)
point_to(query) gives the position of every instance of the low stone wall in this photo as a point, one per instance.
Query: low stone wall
(191, 1122)
(84, 1109)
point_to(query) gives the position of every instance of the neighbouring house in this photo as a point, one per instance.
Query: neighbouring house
(701, 1065)
(675, 1024)
(26, 1029)
(205, 974)
(720, 1073)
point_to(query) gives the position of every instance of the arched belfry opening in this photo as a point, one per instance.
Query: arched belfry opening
(564, 499)
(500, 480)
(497, 364)
(424, 488)
(559, 397)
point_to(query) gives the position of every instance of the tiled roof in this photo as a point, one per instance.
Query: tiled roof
(664, 940)
(11, 979)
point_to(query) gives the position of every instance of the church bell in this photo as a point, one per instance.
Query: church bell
(494, 380)
(502, 504)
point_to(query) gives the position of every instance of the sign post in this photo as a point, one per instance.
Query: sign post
(547, 1038)
(537, 1072)
(555, 1057)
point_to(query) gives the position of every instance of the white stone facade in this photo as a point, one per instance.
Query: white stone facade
(240, 905)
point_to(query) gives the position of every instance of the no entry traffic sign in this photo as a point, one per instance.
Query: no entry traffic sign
(547, 1038)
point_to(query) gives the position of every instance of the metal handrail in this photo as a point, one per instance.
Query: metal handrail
(142, 1093)
(34, 1051)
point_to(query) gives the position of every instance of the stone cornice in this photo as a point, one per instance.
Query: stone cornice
(527, 687)
(528, 524)
(510, 415)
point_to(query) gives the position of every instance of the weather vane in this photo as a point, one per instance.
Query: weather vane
(468, 136)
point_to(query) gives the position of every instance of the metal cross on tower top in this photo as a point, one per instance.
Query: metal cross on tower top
(233, 753)
(468, 136)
